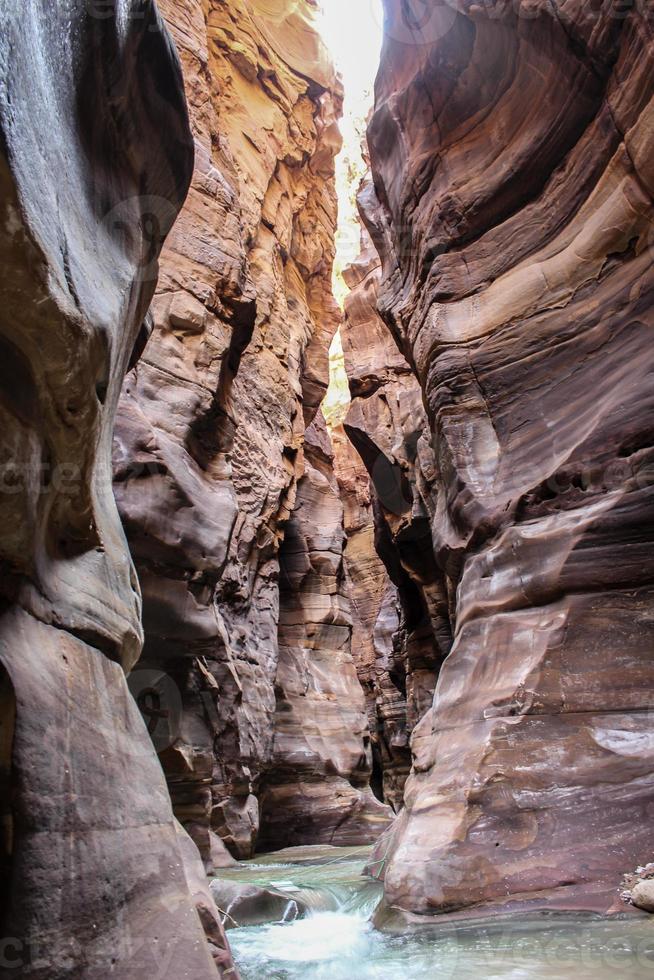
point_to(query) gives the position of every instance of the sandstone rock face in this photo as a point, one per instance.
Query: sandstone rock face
(397, 588)
(375, 624)
(317, 788)
(511, 150)
(208, 450)
(93, 877)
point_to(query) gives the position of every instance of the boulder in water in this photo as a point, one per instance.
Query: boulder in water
(642, 895)
(249, 905)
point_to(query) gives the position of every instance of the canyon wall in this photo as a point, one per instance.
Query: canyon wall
(384, 469)
(96, 877)
(317, 787)
(512, 161)
(375, 625)
(209, 442)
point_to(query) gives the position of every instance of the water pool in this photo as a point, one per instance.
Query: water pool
(334, 939)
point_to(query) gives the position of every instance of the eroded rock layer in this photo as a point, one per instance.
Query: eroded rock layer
(511, 150)
(95, 880)
(375, 624)
(398, 591)
(317, 787)
(212, 421)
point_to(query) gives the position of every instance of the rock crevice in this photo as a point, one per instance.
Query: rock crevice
(211, 472)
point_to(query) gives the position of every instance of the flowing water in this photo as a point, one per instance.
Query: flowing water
(334, 940)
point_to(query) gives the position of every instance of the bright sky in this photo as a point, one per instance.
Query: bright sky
(352, 30)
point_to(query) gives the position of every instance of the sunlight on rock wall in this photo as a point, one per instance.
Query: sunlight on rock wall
(356, 55)
(337, 400)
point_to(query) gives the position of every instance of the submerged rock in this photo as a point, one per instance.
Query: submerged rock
(241, 904)
(219, 856)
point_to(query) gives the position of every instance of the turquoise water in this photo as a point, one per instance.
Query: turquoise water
(334, 939)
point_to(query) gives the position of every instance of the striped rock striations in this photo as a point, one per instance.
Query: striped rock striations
(511, 150)
(317, 788)
(96, 878)
(209, 443)
(385, 482)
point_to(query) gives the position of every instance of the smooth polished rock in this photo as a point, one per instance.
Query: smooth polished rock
(642, 895)
(241, 904)
(93, 878)
(514, 223)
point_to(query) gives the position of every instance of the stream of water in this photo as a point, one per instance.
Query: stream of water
(334, 940)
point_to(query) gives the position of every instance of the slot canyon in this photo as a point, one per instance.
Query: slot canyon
(326, 468)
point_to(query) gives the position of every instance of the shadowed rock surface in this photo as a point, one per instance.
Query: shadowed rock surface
(399, 595)
(511, 150)
(94, 880)
(375, 624)
(317, 787)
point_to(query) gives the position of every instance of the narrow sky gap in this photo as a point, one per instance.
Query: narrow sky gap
(352, 30)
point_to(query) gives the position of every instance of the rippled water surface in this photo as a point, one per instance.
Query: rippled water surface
(335, 940)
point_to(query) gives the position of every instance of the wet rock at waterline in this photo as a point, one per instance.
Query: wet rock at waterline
(205, 905)
(94, 882)
(241, 904)
(219, 856)
(638, 888)
(511, 160)
(642, 895)
(334, 938)
(294, 883)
